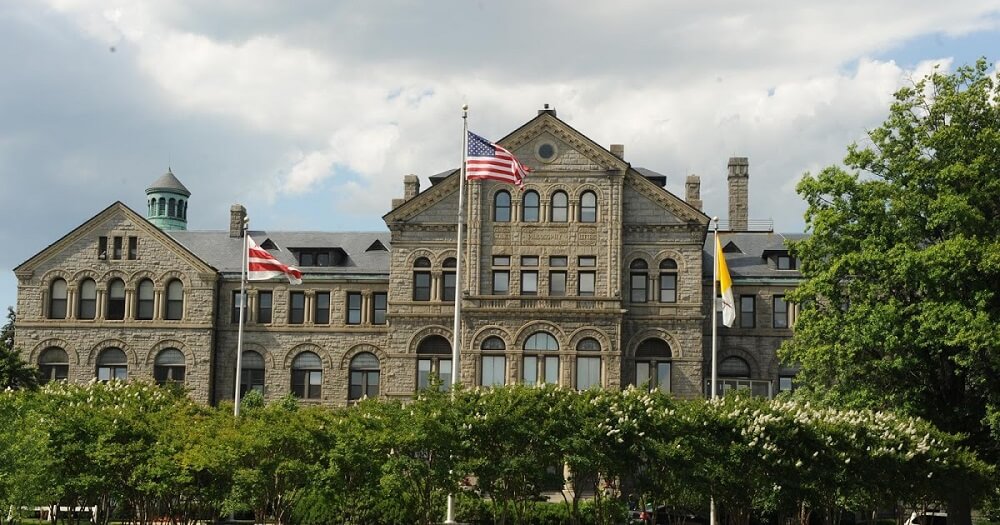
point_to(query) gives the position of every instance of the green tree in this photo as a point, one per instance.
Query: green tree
(901, 292)
(14, 372)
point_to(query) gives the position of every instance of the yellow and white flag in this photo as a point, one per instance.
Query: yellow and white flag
(725, 286)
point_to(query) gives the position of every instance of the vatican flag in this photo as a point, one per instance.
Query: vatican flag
(725, 285)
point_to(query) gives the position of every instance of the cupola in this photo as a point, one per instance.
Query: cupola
(167, 202)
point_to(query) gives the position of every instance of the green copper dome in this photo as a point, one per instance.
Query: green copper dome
(167, 202)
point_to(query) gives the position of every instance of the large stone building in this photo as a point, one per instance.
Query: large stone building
(593, 275)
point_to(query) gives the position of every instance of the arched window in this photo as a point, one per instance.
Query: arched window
(493, 370)
(169, 366)
(541, 359)
(307, 376)
(57, 299)
(448, 280)
(529, 213)
(116, 300)
(652, 365)
(734, 368)
(151, 208)
(422, 279)
(588, 207)
(171, 208)
(668, 281)
(53, 364)
(434, 360)
(112, 364)
(588, 367)
(560, 207)
(182, 209)
(251, 372)
(638, 281)
(364, 377)
(161, 208)
(501, 207)
(144, 300)
(175, 300)
(88, 299)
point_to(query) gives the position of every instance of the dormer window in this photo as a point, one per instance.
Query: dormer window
(321, 257)
(785, 262)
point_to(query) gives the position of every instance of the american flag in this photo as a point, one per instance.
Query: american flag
(262, 265)
(489, 161)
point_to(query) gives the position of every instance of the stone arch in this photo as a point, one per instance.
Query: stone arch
(438, 261)
(676, 351)
(416, 254)
(585, 187)
(269, 360)
(673, 255)
(52, 275)
(551, 190)
(593, 333)
(345, 362)
(539, 326)
(638, 254)
(733, 351)
(139, 276)
(79, 276)
(170, 343)
(133, 359)
(306, 347)
(411, 345)
(110, 275)
(36, 351)
(490, 331)
(170, 275)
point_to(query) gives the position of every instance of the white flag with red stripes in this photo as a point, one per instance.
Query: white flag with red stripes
(262, 265)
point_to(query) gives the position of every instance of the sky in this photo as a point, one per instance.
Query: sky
(310, 113)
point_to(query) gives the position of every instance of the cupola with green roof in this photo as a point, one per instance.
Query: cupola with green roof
(167, 202)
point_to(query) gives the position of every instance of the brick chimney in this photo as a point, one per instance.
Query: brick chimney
(411, 186)
(692, 193)
(739, 178)
(236, 215)
(618, 150)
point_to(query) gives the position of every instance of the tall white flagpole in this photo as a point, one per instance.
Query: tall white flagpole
(715, 334)
(456, 333)
(243, 305)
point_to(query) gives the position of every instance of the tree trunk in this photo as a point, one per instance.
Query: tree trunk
(960, 509)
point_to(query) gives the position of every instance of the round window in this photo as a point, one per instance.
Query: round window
(546, 152)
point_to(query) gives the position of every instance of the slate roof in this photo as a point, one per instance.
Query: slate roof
(223, 252)
(169, 182)
(751, 262)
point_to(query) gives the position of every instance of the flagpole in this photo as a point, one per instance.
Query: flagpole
(715, 334)
(243, 304)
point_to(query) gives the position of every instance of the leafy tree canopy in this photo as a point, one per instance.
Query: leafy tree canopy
(14, 372)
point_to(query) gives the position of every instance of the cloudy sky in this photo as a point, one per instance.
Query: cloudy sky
(310, 112)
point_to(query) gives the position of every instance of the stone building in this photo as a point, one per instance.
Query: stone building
(593, 275)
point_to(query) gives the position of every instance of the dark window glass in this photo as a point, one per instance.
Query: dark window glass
(162, 207)
(494, 370)
(53, 365)
(529, 213)
(265, 303)
(652, 366)
(169, 367)
(557, 284)
(501, 282)
(144, 300)
(116, 300)
(501, 207)
(501, 260)
(323, 259)
(529, 260)
(786, 262)
(306, 259)
(747, 308)
(493, 343)
(321, 313)
(587, 261)
(171, 208)
(560, 207)
(251, 372)
(638, 281)
(117, 253)
(297, 308)
(133, 248)
(307, 376)
(112, 364)
(588, 372)
(668, 281)
(353, 308)
(785, 384)
(175, 300)
(235, 315)
(448, 281)
(586, 284)
(88, 299)
(780, 312)
(588, 207)
(435, 360)
(364, 380)
(734, 367)
(102, 248)
(558, 261)
(421, 286)
(380, 303)
(57, 299)
(529, 283)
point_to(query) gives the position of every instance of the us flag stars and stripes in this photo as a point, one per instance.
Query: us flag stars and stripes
(262, 265)
(486, 160)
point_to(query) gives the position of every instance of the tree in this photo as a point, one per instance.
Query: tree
(14, 372)
(901, 291)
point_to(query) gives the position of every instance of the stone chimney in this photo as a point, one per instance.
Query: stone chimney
(237, 213)
(739, 178)
(411, 186)
(692, 193)
(547, 109)
(618, 150)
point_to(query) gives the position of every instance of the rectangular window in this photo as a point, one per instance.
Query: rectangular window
(747, 308)
(638, 287)
(380, 303)
(307, 384)
(780, 312)
(236, 307)
(501, 282)
(264, 307)
(785, 384)
(585, 284)
(117, 253)
(588, 372)
(663, 376)
(529, 283)
(133, 248)
(421, 286)
(786, 262)
(587, 262)
(529, 374)
(444, 372)
(529, 260)
(448, 286)
(668, 288)
(494, 370)
(552, 369)
(557, 284)
(423, 373)
(642, 374)
(102, 248)
(296, 308)
(353, 308)
(321, 315)
(558, 261)
(501, 260)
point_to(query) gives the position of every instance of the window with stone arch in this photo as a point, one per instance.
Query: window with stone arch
(307, 376)
(668, 281)
(364, 377)
(588, 363)
(652, 365)
(53, 365)
(251, 372)
(560, 207)
(448, 279)
(57, 299)
(530, 207)
(116, 300)
(87, 309)
(588, 207)
(175, 300)
(541, 359)
(144, 300)
(734, 368)
(501, 207)
(161, 208)
(493, 363)
(638, 281)
(434, 361)
(112, 364)
(169, 367)
(422, 279)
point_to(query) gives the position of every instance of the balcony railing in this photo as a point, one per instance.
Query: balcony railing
(542, 303)
(756, 387)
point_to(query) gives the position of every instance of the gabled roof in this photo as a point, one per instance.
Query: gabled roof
(546, 121)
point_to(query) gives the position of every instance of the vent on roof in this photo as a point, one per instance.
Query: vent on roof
(268, 244)
(731, 247)
(377, 246)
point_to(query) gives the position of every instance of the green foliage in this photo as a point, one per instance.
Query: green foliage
(901, 288)
(14, 372)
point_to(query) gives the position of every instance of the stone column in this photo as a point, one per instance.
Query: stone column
(158, 304)
(436, 286)
(310, 300)
(366, 307)
(129, 303)
(71, 303)
(252, 306)
(101, 299)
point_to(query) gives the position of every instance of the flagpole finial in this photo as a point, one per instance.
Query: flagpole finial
(465, 107)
